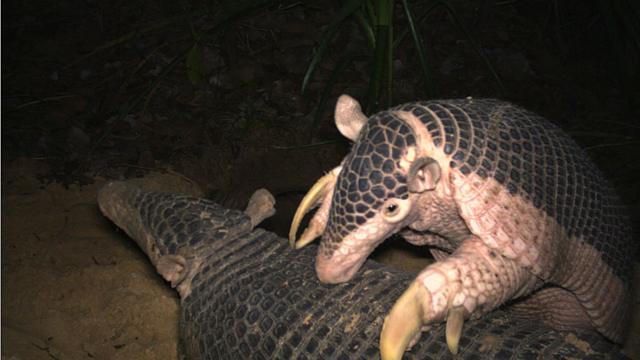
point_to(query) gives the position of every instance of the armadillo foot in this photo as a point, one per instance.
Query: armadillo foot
(261, 206)
(414, 309)
(474, 280)
(403, 325)
(172, 268)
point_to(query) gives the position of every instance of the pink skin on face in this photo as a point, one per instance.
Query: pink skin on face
(343, 263)
(338, 268)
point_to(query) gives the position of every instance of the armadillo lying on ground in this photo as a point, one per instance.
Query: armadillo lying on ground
(246, 295)
(508, 203)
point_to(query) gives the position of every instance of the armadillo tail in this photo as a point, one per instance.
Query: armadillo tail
(174, 231)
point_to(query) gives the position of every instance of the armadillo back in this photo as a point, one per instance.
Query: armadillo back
(256, 298)
(252, 297)
(532, 158)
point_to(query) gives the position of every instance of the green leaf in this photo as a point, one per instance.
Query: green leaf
(381, 76)
(367, 28)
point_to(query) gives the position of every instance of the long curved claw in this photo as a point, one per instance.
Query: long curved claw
(404, 323)
(310, 201)
(309, 234)
(455, 320)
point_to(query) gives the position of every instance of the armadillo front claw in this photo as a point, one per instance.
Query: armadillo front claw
(402, 327)
(453, 331)
(311, 200)
(404, 323)
(310, 233)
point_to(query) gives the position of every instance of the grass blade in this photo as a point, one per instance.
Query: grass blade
(195, 65)
(367, 28)
(417, 40)
(382, 71)
(388, 6)
(320, 107)
(348, 8)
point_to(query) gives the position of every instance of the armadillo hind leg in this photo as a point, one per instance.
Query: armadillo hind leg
(603, 296)
(261, 206)
(584, 301)
(177, 231)
(472, 281)
(555, 307)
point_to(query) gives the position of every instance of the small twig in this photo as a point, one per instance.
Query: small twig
(506, 2)
(621, 123)
(154, 86)
(612, 144)
(126, 138)
(284, 8)
(167, 170)
(322, 143)
(183, 177)
(43, 100)
(138, 67)
(126, 38)
(580, 133)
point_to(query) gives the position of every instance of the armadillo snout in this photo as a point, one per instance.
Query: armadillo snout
(339, 261)
(337, 269)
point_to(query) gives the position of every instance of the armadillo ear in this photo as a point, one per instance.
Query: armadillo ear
(424, 174)
(349, 117)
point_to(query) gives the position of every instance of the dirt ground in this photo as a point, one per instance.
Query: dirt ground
(76, 288)
(72, 286)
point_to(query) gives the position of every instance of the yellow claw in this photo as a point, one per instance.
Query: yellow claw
(309, 234)
(404, 322)
(455, 320)
(310, 201)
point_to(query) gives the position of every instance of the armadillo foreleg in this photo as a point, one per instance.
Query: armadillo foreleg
(471, 282)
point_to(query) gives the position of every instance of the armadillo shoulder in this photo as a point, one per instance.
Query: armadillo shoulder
(533, 158)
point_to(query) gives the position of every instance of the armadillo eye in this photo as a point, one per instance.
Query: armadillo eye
(391, 209)
(395, 210)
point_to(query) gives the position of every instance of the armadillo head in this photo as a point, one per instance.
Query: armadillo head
(374, 191)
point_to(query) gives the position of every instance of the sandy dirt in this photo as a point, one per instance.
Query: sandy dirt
(73, 287)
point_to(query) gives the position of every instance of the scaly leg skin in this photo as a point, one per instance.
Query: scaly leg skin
(471, 282)
(554, 306)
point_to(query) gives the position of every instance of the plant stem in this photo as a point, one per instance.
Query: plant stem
(382, 71)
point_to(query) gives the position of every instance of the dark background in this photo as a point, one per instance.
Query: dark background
(93, 88)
